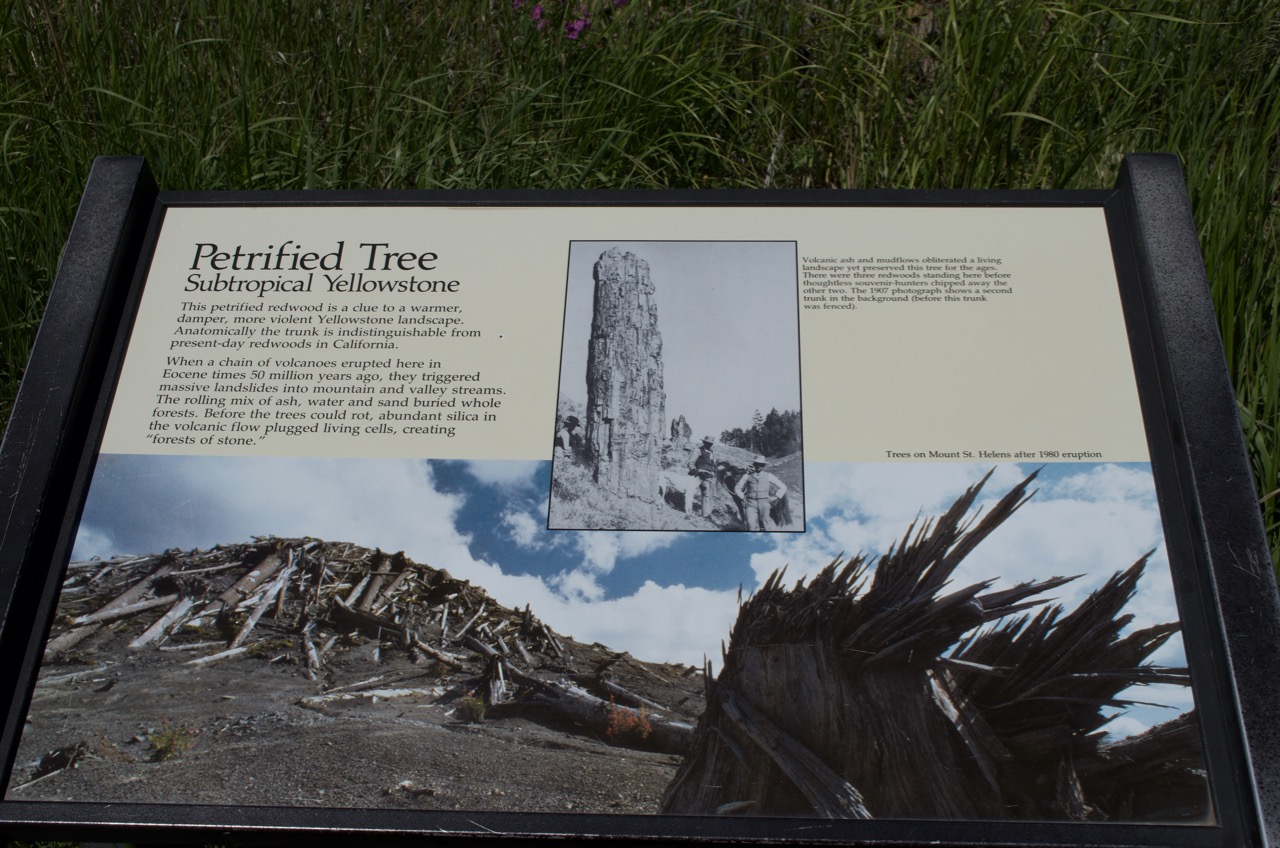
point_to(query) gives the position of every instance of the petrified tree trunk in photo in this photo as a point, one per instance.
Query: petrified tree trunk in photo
(625, 398)
(859, 695)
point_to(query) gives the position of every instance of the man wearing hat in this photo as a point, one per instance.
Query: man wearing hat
(564, 437)
(704, 468)
(759, 490)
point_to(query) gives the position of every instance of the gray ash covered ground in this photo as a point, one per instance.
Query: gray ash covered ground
(345, 695)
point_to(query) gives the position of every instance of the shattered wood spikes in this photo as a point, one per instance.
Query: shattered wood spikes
(935, 702)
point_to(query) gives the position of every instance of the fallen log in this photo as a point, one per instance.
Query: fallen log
(194, 646)
(497, 683)
(479, 647)
(221, 655)
(368, 681)
(162, 625)
(374, 626)
(350, 599)
(374, 694)
(245, 586)
(374, 586)
(614, 690)
(524, 654)
(226, 566)
(551, 639)
(83, 565)
(68, 640)
(276, 588)
(309, 648)
(135, 592)
(295, 561)
(71, 677)
(610, 721)
(439, 655)
(390, 590)
(467, 626)
(105, 614)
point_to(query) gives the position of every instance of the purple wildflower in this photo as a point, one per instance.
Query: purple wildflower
(516, 4)
(618, 4)
(576, 27)
(536, 17)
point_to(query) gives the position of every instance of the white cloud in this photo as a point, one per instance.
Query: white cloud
(1154, 705)
(577, 585)
(1125, 725)
(504, 473)
(93, 542)
(656, 623)
(601, 550)
(1173, 699)
(1106, 482)
(1065, 537)
(673, 623)
(523, 529)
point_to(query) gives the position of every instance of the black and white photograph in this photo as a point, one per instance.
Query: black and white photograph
(679, 400)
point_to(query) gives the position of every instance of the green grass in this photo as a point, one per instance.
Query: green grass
(731, 93)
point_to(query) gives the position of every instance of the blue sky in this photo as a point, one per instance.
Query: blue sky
(660, 595)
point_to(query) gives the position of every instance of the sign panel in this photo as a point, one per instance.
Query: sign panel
(647, 510)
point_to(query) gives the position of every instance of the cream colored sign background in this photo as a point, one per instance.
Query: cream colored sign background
(1046, 368)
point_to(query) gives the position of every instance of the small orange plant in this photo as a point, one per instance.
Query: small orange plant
(626, 725)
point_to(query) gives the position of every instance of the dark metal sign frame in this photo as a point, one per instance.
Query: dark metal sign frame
(1231, 615)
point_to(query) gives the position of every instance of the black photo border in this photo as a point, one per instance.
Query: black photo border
(1221, 566)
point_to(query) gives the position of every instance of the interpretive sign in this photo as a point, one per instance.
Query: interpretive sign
(389, 511)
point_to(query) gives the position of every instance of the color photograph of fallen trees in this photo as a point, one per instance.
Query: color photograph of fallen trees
(294, 671)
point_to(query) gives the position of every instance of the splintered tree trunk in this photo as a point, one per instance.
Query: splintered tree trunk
(859, 695)
(865, 729)
(867, 725)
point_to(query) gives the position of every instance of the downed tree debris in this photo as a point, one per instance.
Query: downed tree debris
(887, 693)
(373, 694)
(315, 604)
